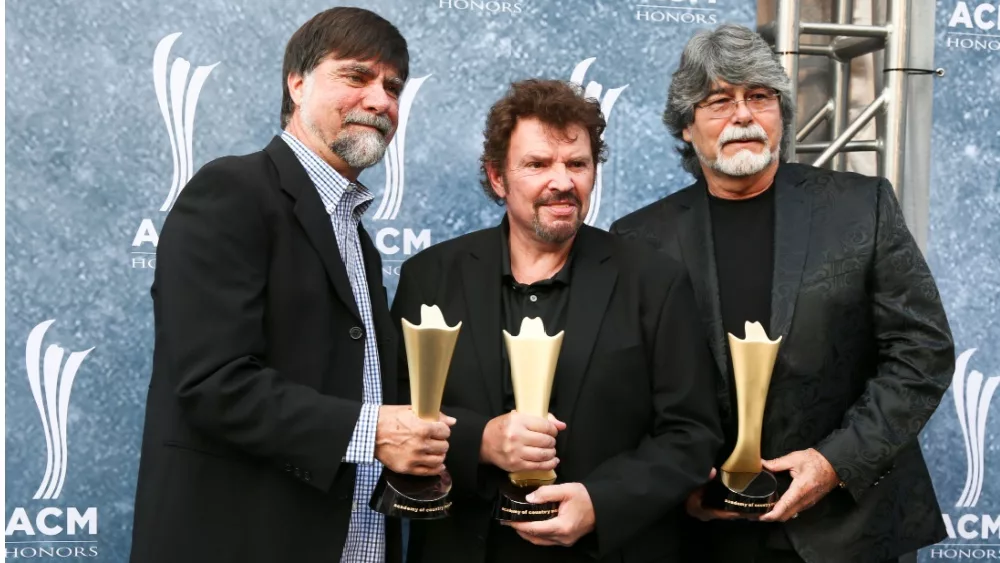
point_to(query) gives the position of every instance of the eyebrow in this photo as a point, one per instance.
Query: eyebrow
(368, 72)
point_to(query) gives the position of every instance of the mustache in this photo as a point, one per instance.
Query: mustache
(380, 122)
(753, 132)
(558, 197)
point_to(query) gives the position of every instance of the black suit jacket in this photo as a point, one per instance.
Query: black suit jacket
(866, 351)
(635, 385)
(257, 372)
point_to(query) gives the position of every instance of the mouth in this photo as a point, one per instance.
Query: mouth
(561, 209)
(744, 144)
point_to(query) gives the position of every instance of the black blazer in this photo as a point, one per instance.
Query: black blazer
(635, 382)
(257, 372)
(865, 357)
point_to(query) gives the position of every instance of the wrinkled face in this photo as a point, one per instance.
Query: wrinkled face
(348, 107)
(547, 180)
(736, 140)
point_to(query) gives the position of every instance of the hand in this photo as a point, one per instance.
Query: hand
(575, 520)
(812, 478)
(406, 443)
(696, 510)
(521, 442)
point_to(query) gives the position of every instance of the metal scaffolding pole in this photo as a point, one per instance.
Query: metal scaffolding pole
(890, 41)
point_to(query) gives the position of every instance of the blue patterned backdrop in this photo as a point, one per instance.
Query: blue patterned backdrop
(112, 105)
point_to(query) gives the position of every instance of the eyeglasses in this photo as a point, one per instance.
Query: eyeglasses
(723, 106)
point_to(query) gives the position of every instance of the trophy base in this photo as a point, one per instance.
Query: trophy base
(410, 496)
(511, 505)
(746, 493)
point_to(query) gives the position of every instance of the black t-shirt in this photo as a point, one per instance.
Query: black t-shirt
(545, 299)
(743, 233)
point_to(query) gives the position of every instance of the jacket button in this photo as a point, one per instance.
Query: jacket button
(356, 332)
(298, 472)
(307, 476)
(288, 467)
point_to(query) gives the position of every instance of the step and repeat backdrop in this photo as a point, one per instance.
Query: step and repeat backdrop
(112, 106)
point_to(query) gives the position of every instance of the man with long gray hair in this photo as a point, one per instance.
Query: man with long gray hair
(824, 260)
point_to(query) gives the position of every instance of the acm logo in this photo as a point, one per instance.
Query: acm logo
(607, 100)
(177, 92)
(390, 240)
(973, 397)
(50, 378)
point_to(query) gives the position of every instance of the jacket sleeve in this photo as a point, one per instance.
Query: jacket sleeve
(210, 301)
(637, 488)
(916, 357)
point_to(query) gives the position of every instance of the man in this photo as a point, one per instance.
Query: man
(266, 428)
(824, 260)
(633, 428)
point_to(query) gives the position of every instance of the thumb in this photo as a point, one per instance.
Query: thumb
(449, 420)
(548, 493)
(560, 425)
(783, 463)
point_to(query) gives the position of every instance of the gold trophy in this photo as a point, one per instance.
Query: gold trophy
(743, 485)
(533, 356)
(429, 347)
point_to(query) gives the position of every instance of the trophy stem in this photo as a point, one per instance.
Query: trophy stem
(532, 478)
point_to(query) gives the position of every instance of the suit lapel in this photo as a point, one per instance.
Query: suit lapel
(792, 218)
(593, 280)
(481, 286)
(312, 215)
(698, 250)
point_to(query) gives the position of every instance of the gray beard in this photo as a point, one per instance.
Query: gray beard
(359, 150)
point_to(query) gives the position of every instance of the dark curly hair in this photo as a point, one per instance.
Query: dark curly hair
(555, 103)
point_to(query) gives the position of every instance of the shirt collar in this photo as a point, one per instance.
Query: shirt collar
(562, 277)
(331, 185)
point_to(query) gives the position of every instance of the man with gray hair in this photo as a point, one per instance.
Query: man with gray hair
(825, 261)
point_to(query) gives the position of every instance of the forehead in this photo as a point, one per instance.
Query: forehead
(532, 134)
(719, 86)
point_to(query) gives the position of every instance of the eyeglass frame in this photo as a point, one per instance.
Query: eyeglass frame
(732, 103)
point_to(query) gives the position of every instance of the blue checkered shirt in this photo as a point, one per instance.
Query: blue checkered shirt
(346, 202)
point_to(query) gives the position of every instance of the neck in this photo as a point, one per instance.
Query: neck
(298, 130)
(729, 187)
(532, 260)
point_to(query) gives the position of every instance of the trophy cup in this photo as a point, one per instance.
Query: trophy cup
(533, 357)
(743, 485)
(429, 347)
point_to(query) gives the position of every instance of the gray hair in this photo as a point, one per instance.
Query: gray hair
(734, 54)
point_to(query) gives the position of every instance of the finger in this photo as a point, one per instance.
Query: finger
(437, 431)
(537, 540)
(538, 424)
(449, 420)
(536, 439)
(782, 509)
(783, 463)
(536, 454)
(560, 425)
(546, 529)
(434, 447)
(429, 461)
(550, 493)
(712, 474)
(425, 470)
